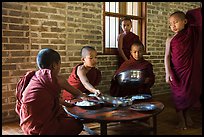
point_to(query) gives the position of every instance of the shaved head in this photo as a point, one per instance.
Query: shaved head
(180, 14)
(85, 50)
(46, 57)
(139, 44)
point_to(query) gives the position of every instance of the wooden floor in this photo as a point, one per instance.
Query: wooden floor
(167, 122)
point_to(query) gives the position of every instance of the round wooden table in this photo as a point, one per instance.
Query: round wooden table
(106, 114)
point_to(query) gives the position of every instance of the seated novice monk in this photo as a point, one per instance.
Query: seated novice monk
(136, 61)
(85, 76)
(38, 104)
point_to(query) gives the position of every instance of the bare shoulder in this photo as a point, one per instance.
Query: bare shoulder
(168, 40)
(81, 70)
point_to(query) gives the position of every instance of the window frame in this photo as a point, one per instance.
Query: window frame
(142, 18)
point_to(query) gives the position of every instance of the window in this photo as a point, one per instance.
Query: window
(113, 11)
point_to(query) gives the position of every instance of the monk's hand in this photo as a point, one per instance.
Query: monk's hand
(114, 77)
(168, 78)
(147, 80)
(85, 97)
(97, 92)
(68, 103)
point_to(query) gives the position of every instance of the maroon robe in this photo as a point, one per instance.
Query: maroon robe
(38, 106)
(128, 40)
(93, 75)
(195, 20)
(186, 64)
(120, 91)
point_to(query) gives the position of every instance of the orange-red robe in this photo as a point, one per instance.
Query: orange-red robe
(186, 63)
(38, 106)
(120, 91)
(93, 75)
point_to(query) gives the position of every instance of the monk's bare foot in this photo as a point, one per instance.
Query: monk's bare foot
(181, 126)
(189, 122)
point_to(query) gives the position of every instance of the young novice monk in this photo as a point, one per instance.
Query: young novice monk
(38, 104)
(183, 63)
(85, 76)
(136, 61)
(125, 40)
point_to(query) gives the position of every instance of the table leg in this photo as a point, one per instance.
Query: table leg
(154, 125)
(103, 128)
(87, 129)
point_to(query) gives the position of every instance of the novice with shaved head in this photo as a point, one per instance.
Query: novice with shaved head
(85, 76)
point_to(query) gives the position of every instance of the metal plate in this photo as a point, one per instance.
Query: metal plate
(143, 107)
(141, 97)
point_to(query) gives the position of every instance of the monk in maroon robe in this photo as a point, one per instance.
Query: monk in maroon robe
(85, 76)
(38, 104)
(136, 61)
(93, 75)
(183, 62)
(125, 40)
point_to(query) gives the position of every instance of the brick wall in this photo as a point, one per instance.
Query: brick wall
(28, 27)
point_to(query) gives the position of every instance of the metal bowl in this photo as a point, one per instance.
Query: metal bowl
(115, 101)
(132, 77)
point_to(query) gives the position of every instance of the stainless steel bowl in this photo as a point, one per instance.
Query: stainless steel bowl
(115, 101)
(132, 77)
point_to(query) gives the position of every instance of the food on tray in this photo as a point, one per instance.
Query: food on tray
(85, 103)
(141, 96)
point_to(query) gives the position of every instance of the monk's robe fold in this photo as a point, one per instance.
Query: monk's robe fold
(38, 105)
(186, 63)
(120, 91)
(93, 75)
